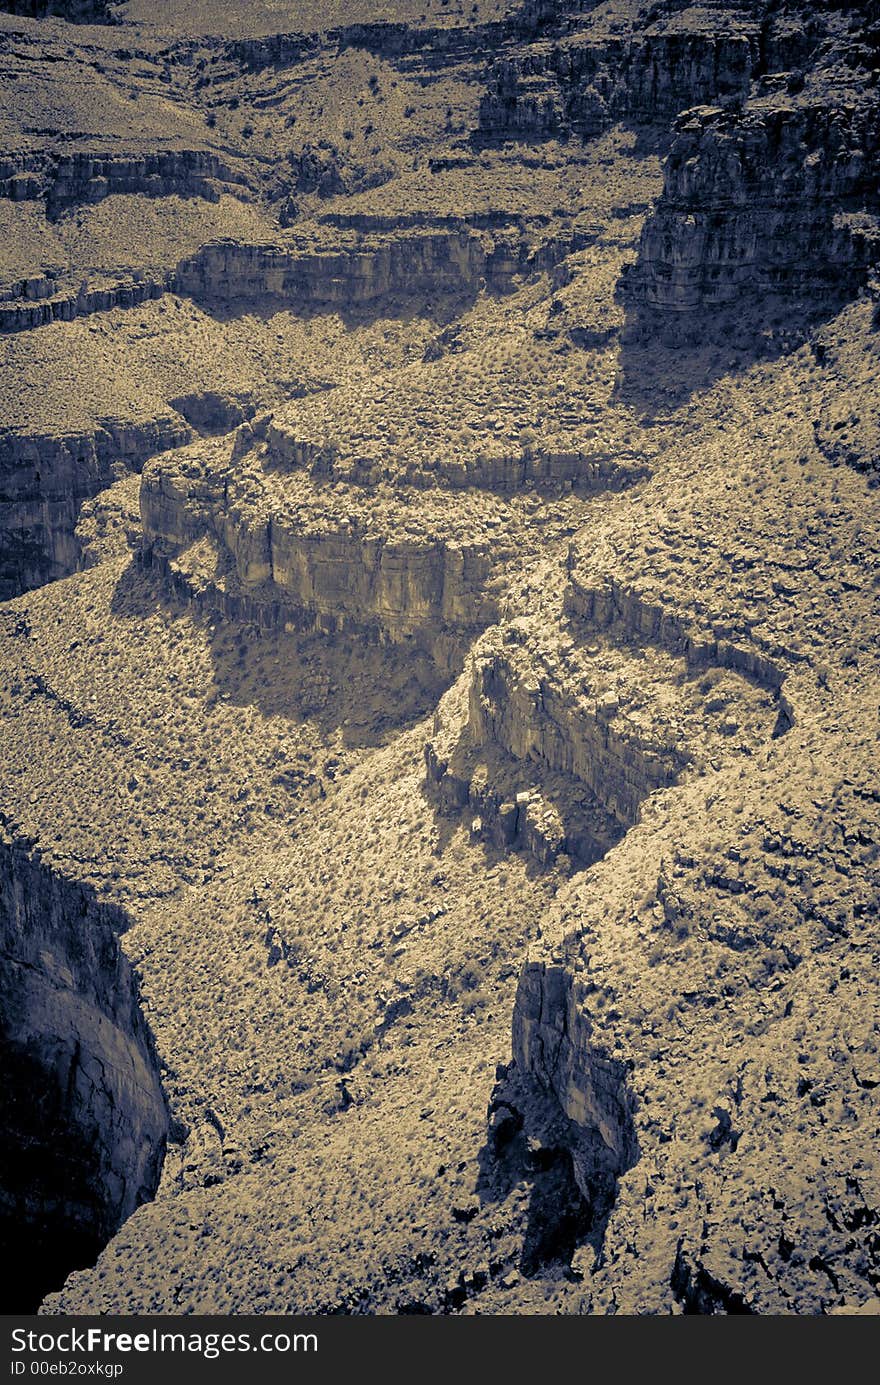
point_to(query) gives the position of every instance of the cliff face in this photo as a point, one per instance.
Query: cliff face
(43, 482)
(432, 46)
(89, 177)
(463, 705)
(84, 1120)
(65, 180)
(702, 643)
(270, 550)
(553, 1042)
(38, 300)
(587, 83)
(414, 263)
(771, 182)
(555, 748)
(780, 199)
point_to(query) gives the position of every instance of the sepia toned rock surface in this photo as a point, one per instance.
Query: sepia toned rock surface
(438, 657)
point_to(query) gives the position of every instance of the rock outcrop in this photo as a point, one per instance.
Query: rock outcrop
(654, 930)
(553, 747)
(274, 552)
(66, 180)
(702, 644)
(82, 1138)
(353, 269)
(90, 177)
(294, 444)
(38, 300)
(779, 199)
(552, 1043)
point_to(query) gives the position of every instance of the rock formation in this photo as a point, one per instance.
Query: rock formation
(420, 262)
(778, 198)
(593, 78)
(44, 481)
(84, 1115)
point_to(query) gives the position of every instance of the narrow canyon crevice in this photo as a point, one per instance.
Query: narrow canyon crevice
(84, 1118)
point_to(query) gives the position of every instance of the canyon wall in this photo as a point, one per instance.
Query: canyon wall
(38, 299)
(417, 262)
(82, 1136)
(550, 737)
(278, 564)
(88, 176)
(780, 198)
(43, 482)
(545, 766)
(585, 84)
(532, 717)
(428, 48)
(615, 606)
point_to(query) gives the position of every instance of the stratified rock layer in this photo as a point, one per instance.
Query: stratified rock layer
(467, 675)
(43, 482)
(780, 199)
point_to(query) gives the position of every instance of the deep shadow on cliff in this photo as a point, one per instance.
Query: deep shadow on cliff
(366, 691)
(567, 1176)
(441, 308)
(662, 364)
(84, 1119)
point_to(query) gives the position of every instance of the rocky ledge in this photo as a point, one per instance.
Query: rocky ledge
(487, 781)
(44, 481)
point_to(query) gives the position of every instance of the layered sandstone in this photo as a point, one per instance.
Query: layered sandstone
(90, 177)
(779, 199)
(591, 79)
(559, 743)
(507, 690)
(272, 549)
(417, 262)
(38, 300)
(65, 180)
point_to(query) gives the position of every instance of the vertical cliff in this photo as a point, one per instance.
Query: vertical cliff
(84, 1120)
(598, 75)
(777, 199)
(44, 480)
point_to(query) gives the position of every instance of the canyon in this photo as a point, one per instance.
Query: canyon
(438, 553)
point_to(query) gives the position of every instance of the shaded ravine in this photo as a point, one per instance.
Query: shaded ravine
(83, 1117)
